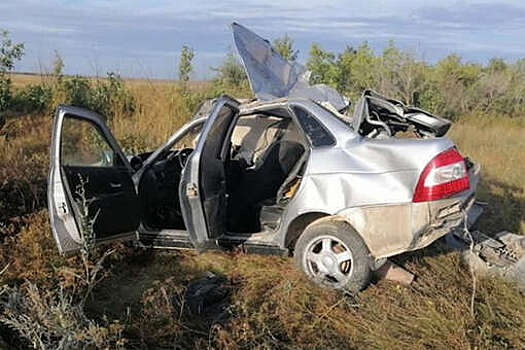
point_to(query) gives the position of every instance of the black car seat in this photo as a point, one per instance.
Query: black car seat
(273, 168)
(262, 183)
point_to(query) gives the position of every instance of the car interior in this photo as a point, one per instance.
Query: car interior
(158, 189)
(249, 171)
(264, 151)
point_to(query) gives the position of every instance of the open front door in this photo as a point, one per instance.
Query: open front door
(202, 190)
(91, 195)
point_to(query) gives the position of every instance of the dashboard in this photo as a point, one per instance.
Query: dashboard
(159, 189)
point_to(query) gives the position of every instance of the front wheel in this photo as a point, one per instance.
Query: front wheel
(332, 254)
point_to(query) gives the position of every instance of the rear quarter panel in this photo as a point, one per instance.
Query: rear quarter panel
(361, 171)
(371, 184)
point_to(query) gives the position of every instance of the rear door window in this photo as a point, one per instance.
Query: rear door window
(315, 131)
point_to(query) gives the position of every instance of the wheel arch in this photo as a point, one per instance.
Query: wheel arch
(298, 224)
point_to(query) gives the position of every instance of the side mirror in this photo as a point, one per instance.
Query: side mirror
(107, 158)
(136, 163)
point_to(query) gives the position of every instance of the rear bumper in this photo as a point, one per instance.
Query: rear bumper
(449, 214)
(394, 229)
(453, 219)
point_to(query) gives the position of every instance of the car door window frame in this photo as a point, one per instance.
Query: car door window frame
(117, 161)
(306, 132)
(173, 139)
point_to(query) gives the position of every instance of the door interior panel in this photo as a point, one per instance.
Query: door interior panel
(112, 197)
(212, 174)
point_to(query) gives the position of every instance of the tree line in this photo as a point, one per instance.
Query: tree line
(451, 87)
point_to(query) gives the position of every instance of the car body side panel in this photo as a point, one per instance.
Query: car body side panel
(363, 172)
(370, 183)
(389, 229)
(393, 229)
(362, 155)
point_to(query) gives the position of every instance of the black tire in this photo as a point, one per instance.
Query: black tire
(342, 237)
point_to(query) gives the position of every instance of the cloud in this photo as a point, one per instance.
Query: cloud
(139, 37)
(473, 16)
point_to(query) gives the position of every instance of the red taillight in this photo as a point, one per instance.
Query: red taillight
(444, 176)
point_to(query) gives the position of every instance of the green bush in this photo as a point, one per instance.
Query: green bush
(77, 91)
(10, 52)
(33, 98)
(230, 78)
(106, 97)
(110, 96)
(5, 93)
(450, 87)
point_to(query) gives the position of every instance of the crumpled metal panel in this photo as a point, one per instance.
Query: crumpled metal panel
(271, 76)
(398, 112)
(370, 183)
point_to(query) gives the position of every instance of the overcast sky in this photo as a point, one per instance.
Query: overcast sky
(143, 38)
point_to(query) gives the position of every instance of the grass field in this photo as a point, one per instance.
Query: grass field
(272, 305)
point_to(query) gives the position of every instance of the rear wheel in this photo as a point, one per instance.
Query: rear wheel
(332, 254)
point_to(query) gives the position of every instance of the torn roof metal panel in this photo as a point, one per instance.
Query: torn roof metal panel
(271, 76)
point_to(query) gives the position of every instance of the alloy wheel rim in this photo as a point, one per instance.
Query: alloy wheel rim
(329, 261)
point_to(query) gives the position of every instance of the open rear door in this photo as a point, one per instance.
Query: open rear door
(91, 195)
(202, 189)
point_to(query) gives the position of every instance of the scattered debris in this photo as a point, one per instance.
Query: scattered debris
(209, 297)
(503, 255)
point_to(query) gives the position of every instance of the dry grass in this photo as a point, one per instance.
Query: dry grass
(272, 305)
(20, 80)
(498, 144)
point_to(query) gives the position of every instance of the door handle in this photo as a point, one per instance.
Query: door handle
(115, 185)
(191, 190)
(63, 208)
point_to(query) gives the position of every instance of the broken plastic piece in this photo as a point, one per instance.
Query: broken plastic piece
(503, 255)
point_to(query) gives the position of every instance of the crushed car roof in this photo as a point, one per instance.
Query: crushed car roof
(272, 77)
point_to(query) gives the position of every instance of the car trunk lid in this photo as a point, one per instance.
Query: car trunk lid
(376, 116)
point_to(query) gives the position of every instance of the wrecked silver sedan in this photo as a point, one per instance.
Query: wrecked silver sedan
(289, 173)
